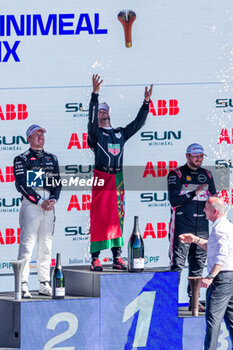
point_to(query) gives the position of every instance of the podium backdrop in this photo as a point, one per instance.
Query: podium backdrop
(48, 53)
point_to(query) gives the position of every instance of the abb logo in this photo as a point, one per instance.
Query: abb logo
(227, 199)
(224, 136)
(74, 202)
(9, 175)
(164, 107)
(12, 112)
(11, 236)
(74, 141)
(160, 232)
(161, 168)
(53, 262)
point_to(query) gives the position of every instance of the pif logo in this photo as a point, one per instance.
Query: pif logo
(164, 107)
(151, 259)
(13, 112)
(5, 265)
(74, 141)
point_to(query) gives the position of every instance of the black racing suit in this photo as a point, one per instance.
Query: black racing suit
(36, 224)
(187, 216)
(36, 160)
(108, 143)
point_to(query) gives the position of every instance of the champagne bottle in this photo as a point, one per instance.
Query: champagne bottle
(58, 280)
(136, 250)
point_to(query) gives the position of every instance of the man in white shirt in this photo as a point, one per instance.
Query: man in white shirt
(219, 280)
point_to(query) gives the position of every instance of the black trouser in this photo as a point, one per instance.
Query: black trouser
(219, 305)
(116, 252)
(196, 257)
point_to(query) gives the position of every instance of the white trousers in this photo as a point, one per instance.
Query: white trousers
(36, 224)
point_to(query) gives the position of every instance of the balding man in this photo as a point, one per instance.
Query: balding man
(219, 280)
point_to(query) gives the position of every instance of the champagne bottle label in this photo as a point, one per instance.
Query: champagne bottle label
(58, 280)
(136, 250)
(138, 263)
(60, 292)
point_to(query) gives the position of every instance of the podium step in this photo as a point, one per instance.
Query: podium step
(104, 310)
(81, 281)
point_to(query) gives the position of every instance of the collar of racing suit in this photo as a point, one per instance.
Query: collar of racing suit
(37, 153)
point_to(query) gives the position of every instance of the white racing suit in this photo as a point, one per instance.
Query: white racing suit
(36, 224)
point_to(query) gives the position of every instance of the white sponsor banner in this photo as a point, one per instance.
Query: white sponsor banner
(47, 57)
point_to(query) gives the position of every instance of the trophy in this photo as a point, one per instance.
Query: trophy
(18, 266)
(127, 17)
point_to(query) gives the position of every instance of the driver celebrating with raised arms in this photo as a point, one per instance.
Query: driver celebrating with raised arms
(107, 207)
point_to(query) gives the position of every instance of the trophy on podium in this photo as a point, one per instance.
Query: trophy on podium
(18, 266)
(127, 17)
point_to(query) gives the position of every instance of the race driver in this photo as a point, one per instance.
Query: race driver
(37, 214)
(107, 206)
(189, 188)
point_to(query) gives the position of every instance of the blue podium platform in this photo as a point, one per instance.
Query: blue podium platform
(127, 311)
